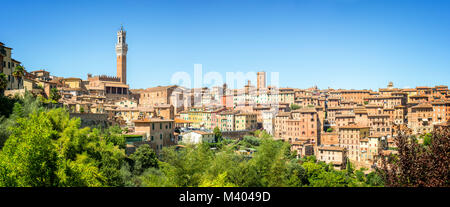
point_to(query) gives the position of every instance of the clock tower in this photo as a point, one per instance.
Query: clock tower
(121, 51)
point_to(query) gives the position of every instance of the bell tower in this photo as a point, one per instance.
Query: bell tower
(121, 51)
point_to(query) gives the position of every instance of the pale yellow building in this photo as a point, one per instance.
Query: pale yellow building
(245, 121)
(159, 132)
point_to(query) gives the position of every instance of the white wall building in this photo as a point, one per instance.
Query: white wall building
(197, 137)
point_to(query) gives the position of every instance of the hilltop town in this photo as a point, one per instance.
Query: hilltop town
(335, 125)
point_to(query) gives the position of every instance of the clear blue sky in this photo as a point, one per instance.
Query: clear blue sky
(338, 43)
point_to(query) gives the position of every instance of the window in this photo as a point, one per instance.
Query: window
(152, 138)
(160, 136)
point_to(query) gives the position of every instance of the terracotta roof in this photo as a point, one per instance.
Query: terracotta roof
(360, 111)
(388, 152)
(378, 115)
(202, 132)
(373, 106)
(157, 88)
(283, 114)
(354, 127)
(418, 96)
(383, 97)
(422, 106)
(345, 115)
(409, 89)
(332, 148)
(79, 79)
(152, 120)
(305, 110)
(15, 60)
(340, 107)
(181, 121)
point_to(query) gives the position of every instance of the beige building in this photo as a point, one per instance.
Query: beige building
(245, 121)
(226, 120)
(110, 87)
(334, 155)
(370, 147)
(197, 137)
(286, 95)
(303, 148)
(420, 118)
(303, 125)
(159, 132)
(128, 114)
(349, 138)
(358, 96)
(156, 95)
(8, 66)
(280, 124)
(329, 138)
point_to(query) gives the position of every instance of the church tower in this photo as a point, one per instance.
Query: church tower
(121, 51)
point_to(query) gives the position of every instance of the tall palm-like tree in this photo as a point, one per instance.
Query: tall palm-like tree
(3, 83)
(19, 72)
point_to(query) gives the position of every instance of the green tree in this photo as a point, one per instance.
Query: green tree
(54, 95)
(427, 139)
(144, 158)
(14, 108)
(3, 83)
(48, 148)
(114, 136)
(297, 174)
(29, 158)
(19, 72)
(217, 134)
(294, 106)
(153, 177)
(219, 181)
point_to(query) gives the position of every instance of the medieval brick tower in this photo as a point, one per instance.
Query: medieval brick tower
(121, 51)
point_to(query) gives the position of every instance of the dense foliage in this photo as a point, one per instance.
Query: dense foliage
(295, 107)
(45, 147)
(271, 165)
(424, 165)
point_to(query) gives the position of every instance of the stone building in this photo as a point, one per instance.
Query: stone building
(261, 80)
(350, 136)
(8, 66)
(245, 121)
(337, 156)
(420, 118)
(158, 131)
